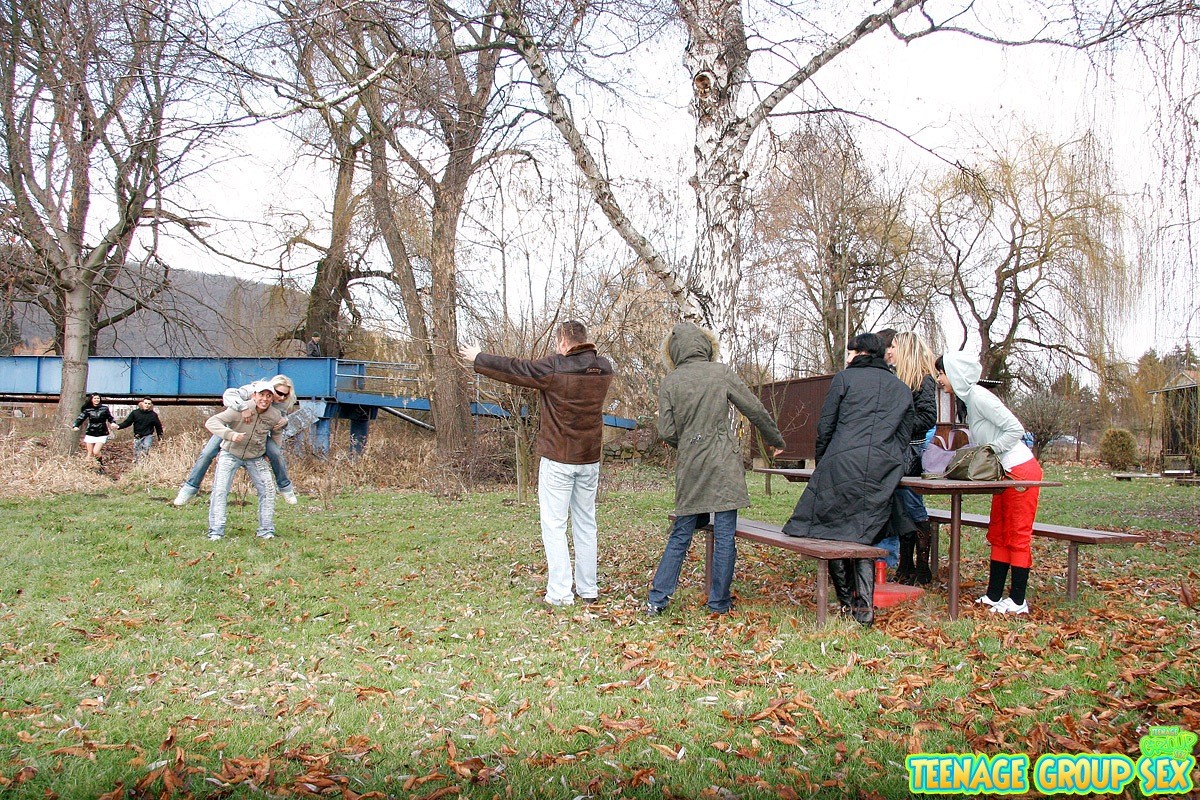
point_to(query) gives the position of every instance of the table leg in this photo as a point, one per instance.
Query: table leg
(934, 531)
(1072, 570)
(822, 591)
(955, 544)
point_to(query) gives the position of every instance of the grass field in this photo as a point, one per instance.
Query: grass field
(394, 644)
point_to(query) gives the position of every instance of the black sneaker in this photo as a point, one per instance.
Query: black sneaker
(652, 610)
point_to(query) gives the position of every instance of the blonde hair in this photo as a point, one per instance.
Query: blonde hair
(914, 359)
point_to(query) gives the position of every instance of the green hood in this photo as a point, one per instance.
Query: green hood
(689, 342)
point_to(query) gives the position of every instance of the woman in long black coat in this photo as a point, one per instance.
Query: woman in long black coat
(862, 453)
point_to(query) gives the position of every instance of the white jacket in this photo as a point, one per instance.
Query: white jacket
(990, 420)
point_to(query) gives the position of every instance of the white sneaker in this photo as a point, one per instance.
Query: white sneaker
(560, 603)
(289, 495)
(1007, 606)
(215, 537)
(265, 535)
(186, 493)
(987, 601)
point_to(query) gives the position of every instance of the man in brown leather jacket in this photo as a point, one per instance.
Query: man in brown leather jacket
(572, 384)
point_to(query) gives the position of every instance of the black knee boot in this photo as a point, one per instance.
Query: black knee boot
(924, 540)
(839, 576)
(905, 572)
(864, 591)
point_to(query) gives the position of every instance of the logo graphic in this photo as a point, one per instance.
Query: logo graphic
(1164, 767)
(1167, 762)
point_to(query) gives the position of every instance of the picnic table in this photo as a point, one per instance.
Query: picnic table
(956, 490)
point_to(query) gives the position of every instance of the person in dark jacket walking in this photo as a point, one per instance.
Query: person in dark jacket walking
(710, 479)
(313, 348)
(572, 385)
(95, 418)
(912, 360)
(146, 425)
(862, 453)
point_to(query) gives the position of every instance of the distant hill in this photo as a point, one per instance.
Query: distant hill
(201, 315)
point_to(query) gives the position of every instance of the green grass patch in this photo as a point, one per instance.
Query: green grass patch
(396, 646)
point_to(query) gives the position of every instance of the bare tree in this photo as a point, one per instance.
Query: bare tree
(732, 101)
(844, 249)
(1046, 416)
(1031, 243)
(91, 147)
(750, 63)
(411, 103)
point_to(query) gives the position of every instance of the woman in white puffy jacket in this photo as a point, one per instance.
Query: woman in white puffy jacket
(1010, 526)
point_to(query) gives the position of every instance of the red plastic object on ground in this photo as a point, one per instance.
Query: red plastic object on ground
(889, 594)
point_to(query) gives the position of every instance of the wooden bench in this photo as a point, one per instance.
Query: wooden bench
(1129, 476)
(820, 550)
(1072, 536)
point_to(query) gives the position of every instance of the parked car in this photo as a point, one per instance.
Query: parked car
(1066, 440)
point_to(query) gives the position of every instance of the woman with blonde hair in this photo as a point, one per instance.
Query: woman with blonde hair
(913, 362)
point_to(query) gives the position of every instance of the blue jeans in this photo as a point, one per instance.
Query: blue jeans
(914, 505)
(260, 476)
(666, 577)
(142, 445)
(892, 545)
(274, 455)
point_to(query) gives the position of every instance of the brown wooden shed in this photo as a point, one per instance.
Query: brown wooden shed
(796, 406)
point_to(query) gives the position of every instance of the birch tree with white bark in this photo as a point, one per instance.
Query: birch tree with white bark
(749, 64)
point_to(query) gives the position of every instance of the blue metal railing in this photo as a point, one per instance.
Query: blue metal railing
(378, 384)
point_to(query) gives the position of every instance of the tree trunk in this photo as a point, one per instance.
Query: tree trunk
(384, 204)
(524, 458)
(333, 270)
(448, 400)
(716, 58)
(76, 337)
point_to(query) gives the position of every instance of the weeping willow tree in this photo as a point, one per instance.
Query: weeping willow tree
(1031, 242)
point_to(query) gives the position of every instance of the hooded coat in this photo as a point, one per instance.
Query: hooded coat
(990, 421)
(862, 453)
(693, 417)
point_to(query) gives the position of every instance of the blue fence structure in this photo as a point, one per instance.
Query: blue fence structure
(331, 388)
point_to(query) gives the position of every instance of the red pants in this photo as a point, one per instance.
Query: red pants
(1010, 530)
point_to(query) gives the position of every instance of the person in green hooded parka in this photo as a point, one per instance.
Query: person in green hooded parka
(710, 478)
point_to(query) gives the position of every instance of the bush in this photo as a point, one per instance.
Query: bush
(1118, 448)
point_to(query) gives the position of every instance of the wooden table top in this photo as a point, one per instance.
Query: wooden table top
(926, 485)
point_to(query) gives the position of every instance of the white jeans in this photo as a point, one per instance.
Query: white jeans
(564, 488)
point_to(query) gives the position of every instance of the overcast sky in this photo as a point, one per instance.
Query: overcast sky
(938, 89)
